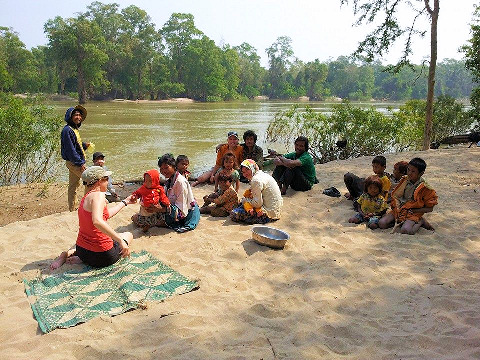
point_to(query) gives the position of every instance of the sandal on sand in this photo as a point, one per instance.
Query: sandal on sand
(332, 191)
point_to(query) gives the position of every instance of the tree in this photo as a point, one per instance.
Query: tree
(251, 73)
(315, 78)
(379, 41)
(230, 63)
(204, 73)
(472, 55)
(178, 32)
(280, 56)
(141, 38)
(17, 71)
(78, 44)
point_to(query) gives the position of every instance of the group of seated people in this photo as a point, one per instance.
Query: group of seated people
(404, 191)
(173, 204)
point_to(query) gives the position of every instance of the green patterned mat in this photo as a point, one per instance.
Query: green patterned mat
(76, 296)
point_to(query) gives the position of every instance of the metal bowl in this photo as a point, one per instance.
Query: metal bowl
(268, 236)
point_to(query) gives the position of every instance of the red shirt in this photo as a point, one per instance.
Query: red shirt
(89, 237)
(155, 194)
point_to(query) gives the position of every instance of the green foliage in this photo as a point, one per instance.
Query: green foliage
(251, 74)
(367, 131)
(204, 73)
(78, 45)
(449, 119)
(28, 141)
(109, 52)
(472, 63)
(279, 58)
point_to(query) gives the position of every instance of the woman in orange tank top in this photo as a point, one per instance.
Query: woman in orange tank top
(98, 244)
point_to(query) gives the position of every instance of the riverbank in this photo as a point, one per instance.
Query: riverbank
(337, 290)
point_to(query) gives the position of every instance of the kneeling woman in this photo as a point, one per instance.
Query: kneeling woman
(97, 245)
(264, 196)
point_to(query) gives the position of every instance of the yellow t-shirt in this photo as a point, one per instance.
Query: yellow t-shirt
(386, 184)
(374, 205)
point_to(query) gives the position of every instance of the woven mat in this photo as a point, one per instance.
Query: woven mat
(76, 296)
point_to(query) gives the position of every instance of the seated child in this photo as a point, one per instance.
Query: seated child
(372, 203)
(248, 207)
(110, 194)
(355, 185)
(412, 198)
(224, 202)
(399, 170)
(182, 163)
(150, 193)
(227, 169)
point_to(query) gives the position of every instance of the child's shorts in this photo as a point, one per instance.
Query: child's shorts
(372, 220)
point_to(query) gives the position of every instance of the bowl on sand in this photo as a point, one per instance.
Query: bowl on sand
(269, 236)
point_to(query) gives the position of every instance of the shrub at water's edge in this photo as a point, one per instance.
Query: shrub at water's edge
(29, 140)
(367, 131)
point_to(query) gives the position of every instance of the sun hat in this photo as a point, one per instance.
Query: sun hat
(94, 173)
(232, 133)
(97, 154)
(82, 110)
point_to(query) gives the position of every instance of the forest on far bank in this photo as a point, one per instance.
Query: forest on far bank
(107, 52)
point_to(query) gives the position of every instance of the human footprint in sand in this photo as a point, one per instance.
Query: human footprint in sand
(97, 245)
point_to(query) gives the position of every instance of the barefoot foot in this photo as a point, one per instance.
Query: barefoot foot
(73, 260)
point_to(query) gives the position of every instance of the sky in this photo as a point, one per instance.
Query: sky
(319, 29)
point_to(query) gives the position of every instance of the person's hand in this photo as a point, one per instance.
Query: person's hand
(277, 161)
(251, 212)
(212, 178)
(83, 168)
(131, 199)
(156, 208)
(125, 251)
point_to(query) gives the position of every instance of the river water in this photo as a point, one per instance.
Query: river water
(133, 135)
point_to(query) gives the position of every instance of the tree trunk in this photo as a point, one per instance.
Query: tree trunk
(427, 135)
(82, 92)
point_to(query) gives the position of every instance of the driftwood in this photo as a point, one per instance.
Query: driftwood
(471, 138)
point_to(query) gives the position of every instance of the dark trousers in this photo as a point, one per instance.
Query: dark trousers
(355, 185)
(292, 177)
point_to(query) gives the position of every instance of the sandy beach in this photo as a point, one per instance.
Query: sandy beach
(337, 290)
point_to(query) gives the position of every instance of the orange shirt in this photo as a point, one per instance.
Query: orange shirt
(238, 152)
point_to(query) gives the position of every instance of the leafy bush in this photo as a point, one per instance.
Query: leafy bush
(449, 119)
(29, 141)
(367, 131)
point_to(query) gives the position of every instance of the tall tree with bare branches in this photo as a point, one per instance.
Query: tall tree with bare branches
(389, 30)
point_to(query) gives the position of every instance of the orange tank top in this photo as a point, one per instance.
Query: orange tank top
(89, 237)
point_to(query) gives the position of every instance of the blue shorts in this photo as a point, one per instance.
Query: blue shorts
(372, 220)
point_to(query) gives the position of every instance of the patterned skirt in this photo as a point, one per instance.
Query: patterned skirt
(240, 215)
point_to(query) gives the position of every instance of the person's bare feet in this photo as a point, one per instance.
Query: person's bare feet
(59, 261)
(427, 225)
(73, 260)
(348, 196)
(283, 190)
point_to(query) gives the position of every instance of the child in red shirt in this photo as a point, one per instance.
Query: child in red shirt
(150, 193)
